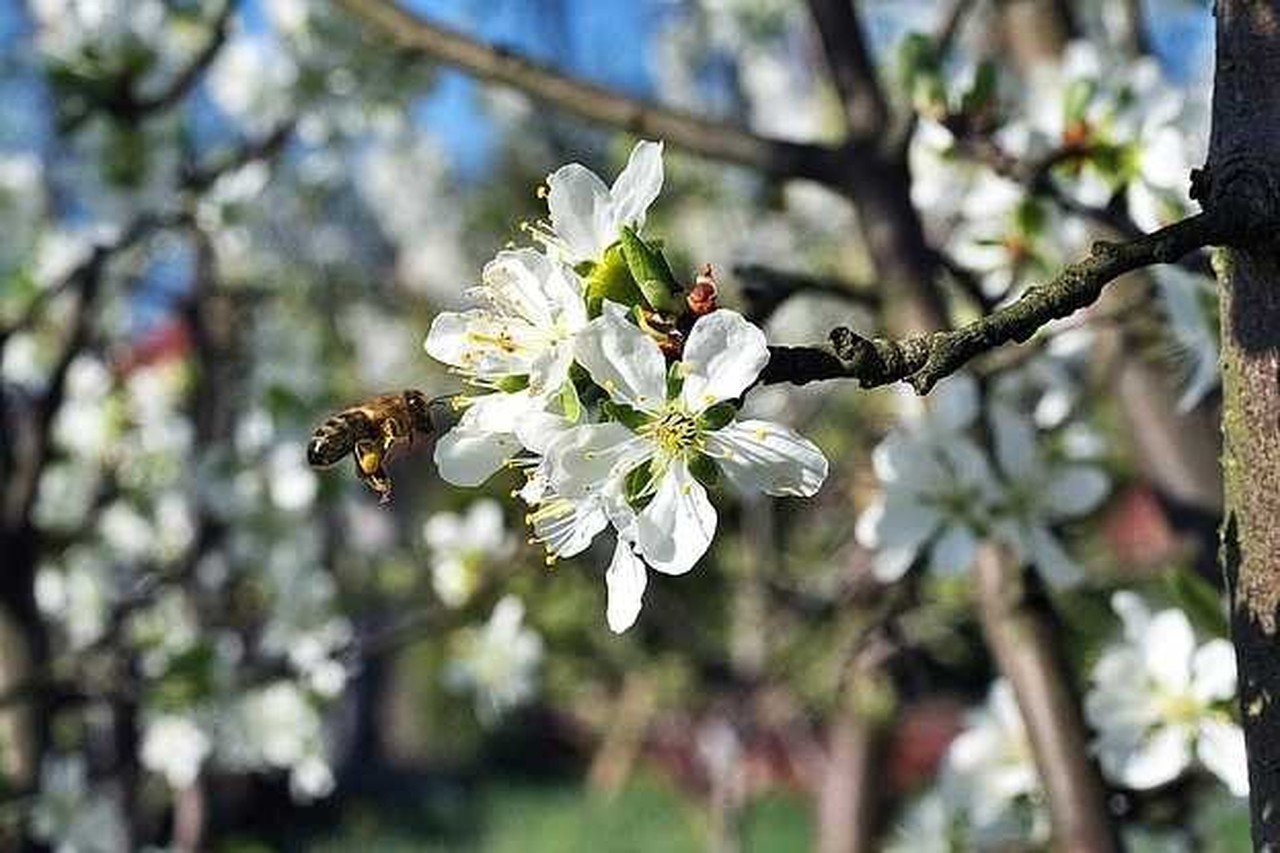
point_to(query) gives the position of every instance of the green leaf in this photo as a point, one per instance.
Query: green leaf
(675, 381)
(636, 485)
(1030, 217)
(650, 270)
(1077, 99)
(512, 384)
(917, 55)
(982, 93)
(610, 279)
(624, 414)
(705, 469)
(569, 400)
(718, 416)
(1200, 600)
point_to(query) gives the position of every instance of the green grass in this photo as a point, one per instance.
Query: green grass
(529, 817)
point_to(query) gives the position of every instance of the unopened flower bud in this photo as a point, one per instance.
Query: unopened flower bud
(702, 298)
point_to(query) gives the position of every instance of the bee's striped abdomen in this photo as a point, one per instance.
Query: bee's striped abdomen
(336, 437)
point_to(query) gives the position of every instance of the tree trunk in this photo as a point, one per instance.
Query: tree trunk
(1242, 181)
(848, 801)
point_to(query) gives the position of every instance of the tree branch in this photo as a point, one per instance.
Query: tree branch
(765, 288)
(595, 103)
(924, 359)
(852, 70)
(126, 105)
(1021, 637)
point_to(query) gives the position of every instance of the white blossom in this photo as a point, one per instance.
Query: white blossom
(587, 217)
(1038, 492)
(462, 545)
(174, 747)
(497, 661)
(251, 82)
(938, 488)
(989, 771)
(940, 493)
(1194, 329)
(532, 311)
(1011, 238)
(1160, 700)
(669, 430)
(1134, 130)
(72, 816)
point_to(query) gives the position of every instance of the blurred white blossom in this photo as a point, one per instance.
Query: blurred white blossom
(462, 546)
(990, 773)
(497, 661)
(174, 747)
(73, 816)
(1160, 700)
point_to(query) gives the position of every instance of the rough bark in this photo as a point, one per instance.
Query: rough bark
(1243, 176)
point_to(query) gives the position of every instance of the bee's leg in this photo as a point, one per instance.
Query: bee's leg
(391, 433)
(369, 467)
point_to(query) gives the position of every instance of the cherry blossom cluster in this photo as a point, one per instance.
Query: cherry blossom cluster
(612, 387)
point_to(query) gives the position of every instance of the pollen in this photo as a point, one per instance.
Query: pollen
(542, 191)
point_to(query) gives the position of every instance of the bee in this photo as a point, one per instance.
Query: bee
(371, 431)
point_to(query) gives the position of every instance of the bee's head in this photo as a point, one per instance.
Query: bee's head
(419, 406)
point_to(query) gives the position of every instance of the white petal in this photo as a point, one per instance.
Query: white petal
(637, 185)
(676, 528)
(566, 527)
(517, 281)
(1221, 749)
(447, 340)
(581, 212)
(1133, 613)
(443, 532)
(896, 527)
(537, 430)
(1168, 647)
(549, 370)
(624, 581)
(584, 460)
(1053, 563)
(485, 527)
(759, 456)
(485, 344)
(954, 551)
(468, 457)
(955, 402)
(1015, 445)
(1159, 759)
(1165, 161)
(1213, 671)
(723, 356)
(1075, 490)
(623, 360)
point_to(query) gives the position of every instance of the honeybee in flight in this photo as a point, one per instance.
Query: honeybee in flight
(371, 431)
